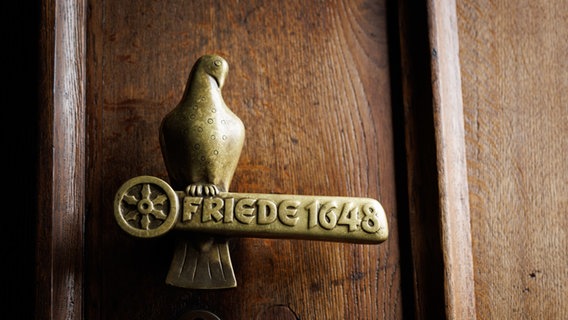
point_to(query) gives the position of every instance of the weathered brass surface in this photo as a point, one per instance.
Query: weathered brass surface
(201, 141)
(148, 207)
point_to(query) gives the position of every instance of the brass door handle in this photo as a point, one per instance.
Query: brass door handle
(201, 141)
(146, 206)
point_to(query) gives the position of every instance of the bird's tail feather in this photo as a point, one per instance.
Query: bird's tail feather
(202, 264)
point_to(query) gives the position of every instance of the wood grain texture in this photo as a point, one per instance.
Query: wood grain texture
(451, 161)
(310, 80)
(514, 61)
(437, 187)
(61, 180)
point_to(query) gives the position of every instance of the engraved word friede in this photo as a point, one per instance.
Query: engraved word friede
(201, 141)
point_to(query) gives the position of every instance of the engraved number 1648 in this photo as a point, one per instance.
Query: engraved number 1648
(329, 215)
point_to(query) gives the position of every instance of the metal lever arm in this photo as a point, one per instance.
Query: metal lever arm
(147, 206)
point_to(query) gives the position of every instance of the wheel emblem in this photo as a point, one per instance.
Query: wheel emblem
(146, 207)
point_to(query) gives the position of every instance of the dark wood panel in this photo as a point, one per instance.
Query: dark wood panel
(311, 82)
(427, 261)
(61, 163)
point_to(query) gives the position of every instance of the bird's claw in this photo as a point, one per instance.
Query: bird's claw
(202, 190)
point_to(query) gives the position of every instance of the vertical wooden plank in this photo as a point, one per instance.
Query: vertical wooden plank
(451, 161)
(62, 161)
(514, 58)
(438, 205)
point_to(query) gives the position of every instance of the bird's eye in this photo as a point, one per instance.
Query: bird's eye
(217, 63)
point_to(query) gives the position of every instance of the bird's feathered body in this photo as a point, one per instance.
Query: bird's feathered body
(201, 141)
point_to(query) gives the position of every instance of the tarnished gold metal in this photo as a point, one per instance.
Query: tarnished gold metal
(201, 141)
(147, 206)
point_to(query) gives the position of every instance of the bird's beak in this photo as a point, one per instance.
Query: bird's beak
(220, 80)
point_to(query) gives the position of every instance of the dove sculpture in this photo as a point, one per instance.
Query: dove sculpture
(201, 141)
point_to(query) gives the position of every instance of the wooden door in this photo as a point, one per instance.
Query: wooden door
(319, 90)
(311, 84)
